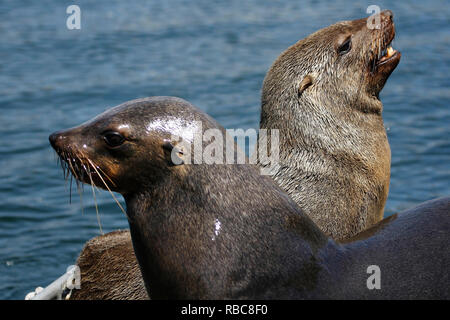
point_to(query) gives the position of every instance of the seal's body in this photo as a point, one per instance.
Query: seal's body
(322, 96)
(217, 231)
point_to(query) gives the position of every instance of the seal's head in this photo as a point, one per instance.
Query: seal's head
(106, 150)
(349, 61)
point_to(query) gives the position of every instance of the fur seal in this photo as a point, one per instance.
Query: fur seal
(322, 94)
(197, 235)
(109, 270)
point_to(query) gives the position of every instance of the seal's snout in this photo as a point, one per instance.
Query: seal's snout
(388, 15)
(387, 19)
(57, 140)
(384, 58)
(53, 138)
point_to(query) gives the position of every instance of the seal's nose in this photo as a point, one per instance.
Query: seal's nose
(388, 14)
(55, 139)
(52, 138)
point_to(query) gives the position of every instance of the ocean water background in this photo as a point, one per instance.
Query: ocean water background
(214, 54)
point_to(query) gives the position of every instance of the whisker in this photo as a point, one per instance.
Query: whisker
(72, 168)
(105, 175)
(95, 201)
(107, 187)
(80, 193)
(61, 164)
(95, 166)
(379, 48)
(64, 164)
(70, 190)
(66, 160)
(66, 176)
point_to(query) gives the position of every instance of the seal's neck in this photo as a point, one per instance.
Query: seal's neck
(332, 125)
(202, 239)
(329, 151)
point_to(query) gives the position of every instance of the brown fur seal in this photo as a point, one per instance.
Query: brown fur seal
(214, 231)
(109, 269)
(322, 94)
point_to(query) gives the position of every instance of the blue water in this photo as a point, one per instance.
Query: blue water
(214, 54)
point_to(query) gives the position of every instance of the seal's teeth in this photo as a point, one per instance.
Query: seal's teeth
(390, 51)
(386, 53)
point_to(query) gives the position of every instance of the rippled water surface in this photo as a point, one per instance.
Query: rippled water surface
(214, 54)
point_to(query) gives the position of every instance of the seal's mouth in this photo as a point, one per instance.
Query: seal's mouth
(82, 168)
(384, 54)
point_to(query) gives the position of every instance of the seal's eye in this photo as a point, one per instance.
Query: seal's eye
(345, 47)
(113, 139)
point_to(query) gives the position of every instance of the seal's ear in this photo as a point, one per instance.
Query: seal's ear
(172, 153)
(306, 82)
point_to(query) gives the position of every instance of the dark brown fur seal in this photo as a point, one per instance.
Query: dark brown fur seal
(322, 93)
(224, 231)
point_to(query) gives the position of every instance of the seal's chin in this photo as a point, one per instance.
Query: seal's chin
(82, 169)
